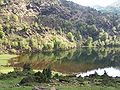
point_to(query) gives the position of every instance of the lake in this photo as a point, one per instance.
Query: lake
(82, 61)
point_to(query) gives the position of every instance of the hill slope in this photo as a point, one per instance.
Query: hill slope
(29, 25)
(112, 8)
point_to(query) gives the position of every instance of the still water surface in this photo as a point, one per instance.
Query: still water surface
(83, 61)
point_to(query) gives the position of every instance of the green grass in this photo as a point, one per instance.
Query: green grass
(6, 69)
(7, 56)
(86, 88)
(10, 84)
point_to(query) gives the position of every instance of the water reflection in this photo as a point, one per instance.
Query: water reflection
(72, 61)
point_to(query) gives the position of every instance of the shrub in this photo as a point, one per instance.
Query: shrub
(2, 34)
(23, 44)
(26, 80)
(57, 43)
(25, 26)
(47, 72)
(48, 46)
(38, 77)
(35, 24)
(27, 67)
(15, 18)
(89, 41)
(70, 36)
(33, 43)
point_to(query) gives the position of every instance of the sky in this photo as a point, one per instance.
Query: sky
(102, 3)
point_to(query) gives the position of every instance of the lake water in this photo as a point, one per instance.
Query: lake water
(82, 61)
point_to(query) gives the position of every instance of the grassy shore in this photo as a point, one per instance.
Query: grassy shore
(10, 84)
(7, 56)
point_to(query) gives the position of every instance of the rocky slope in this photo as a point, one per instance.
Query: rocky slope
(36, 25)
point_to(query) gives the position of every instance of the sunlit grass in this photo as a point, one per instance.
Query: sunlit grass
(87, 88)
(7, 56)
(10, 84)
(6, 69)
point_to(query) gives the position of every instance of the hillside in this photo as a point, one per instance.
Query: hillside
(44, 25)
(112, 8)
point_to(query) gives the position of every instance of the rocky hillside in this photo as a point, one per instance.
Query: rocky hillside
(37, 25)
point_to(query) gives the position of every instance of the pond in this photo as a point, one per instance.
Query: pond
(82, 61)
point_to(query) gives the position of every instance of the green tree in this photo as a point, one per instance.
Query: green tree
(89, 41)
(70, 36)
(15, 18)
(1, 32)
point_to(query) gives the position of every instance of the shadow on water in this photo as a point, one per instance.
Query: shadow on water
(72, 61)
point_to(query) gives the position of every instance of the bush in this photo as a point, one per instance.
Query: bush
(25, 26)
(38, 77)
(48, 46)
(2, 34)
(15, 18)
(23, 44)
(70, 36)
(89, 42)
(57, 43)
(27, 80)
(27, 67)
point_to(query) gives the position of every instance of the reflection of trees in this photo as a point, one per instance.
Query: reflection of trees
(73, 60)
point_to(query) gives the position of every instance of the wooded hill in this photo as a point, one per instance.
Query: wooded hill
(37, 25)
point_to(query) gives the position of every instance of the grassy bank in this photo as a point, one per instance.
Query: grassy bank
(7, 56)
(11, 84)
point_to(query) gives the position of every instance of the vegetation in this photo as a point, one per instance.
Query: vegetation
(7, 56)
(21, 78)
(22, 29)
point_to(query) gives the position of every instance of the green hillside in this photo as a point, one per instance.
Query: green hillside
(46, 25)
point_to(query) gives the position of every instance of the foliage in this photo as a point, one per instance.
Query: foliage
(48, 46)
(27, 67)
(15, 18)
(25, 26)
(38, 77)
(70, 36)
(2, 34)
(89, 41)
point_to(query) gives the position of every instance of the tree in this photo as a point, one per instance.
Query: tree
(89, 41)
(1, 32)
(47, 72)
(70, 36)
(15, 18)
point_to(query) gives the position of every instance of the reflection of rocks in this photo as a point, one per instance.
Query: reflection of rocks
(39, 88)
